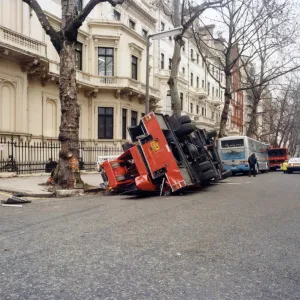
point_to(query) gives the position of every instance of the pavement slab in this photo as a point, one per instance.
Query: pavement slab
(34, 186)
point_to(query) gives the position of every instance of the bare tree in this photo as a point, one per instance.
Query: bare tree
(275, 40)
(238, 47)
(67, 173)
(182, 13)
(288, 115)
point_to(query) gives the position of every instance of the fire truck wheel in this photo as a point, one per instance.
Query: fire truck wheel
(115, 165)
(185, 119)
(212, 134)
(185, 130)
(120, 177)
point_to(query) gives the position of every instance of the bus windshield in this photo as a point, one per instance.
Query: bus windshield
(276, 152)
(232, 143)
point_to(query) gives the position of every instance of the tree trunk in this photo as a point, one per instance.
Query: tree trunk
(173, 80)
(225, 112)
(68, 174)
(251, 131)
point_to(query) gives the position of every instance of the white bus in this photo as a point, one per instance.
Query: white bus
(234, 152)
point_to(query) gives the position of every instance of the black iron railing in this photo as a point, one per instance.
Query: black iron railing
(37, 157)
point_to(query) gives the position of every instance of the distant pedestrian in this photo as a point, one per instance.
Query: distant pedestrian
(252, 161)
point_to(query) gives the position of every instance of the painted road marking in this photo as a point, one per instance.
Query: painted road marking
(5, 194)
(237, 183)
(28, 198)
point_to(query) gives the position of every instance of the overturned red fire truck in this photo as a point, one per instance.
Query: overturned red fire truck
(167, 154)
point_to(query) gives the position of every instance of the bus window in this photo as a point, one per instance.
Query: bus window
(232, 143)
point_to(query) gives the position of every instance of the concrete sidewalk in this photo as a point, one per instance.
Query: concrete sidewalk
(31, 185)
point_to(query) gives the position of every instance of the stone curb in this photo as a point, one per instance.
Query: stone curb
(94, 190)
(32, 195)
(68, 193)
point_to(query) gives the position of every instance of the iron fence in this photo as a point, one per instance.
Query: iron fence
(38, 157)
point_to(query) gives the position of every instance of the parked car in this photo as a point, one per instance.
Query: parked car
(167, 154)
(293, 165)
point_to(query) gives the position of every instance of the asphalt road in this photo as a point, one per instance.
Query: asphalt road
(234, 240)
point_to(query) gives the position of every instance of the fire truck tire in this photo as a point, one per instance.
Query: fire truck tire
(211, 134)
(115, 165)
(208, 175)
(185, 120)
(185, 130)
(120, 177)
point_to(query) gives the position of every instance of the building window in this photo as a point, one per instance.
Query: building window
(213, 91)
(217, 93)
(124, 124)
(197, 109)
(192, 54)
(197, 82)
(131, 24)
(213, 71)
(208, 88)
(105, 123)
(143, 115)
(192, 79)
(144, 33)
(183, 70)
(203, 83)
(212, 115)
(134, 67)
(79, 5)
(181, 101)
(202, 111)
(162, 26)
(162, 61)
(198, 58)
(134, 118)
(191, 107)
(106, 61)
(170, 63)
(78, 53)
(117, 15)
(203, 64)
(183, 48)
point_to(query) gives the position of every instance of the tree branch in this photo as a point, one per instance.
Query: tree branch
(55, 36)
(197, 11)
(86, 11)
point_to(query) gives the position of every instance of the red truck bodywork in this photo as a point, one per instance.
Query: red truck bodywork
(277, 156)
(158, 156)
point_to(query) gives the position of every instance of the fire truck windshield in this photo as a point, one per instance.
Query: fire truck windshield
(277, 152)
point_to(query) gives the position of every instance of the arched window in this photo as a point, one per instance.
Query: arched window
(7, 106)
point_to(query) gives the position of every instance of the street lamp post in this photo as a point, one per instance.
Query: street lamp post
(156, 36)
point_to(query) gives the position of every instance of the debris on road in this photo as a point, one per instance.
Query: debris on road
(15, 201)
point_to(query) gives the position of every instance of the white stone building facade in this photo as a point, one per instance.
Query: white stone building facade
(111, 74)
